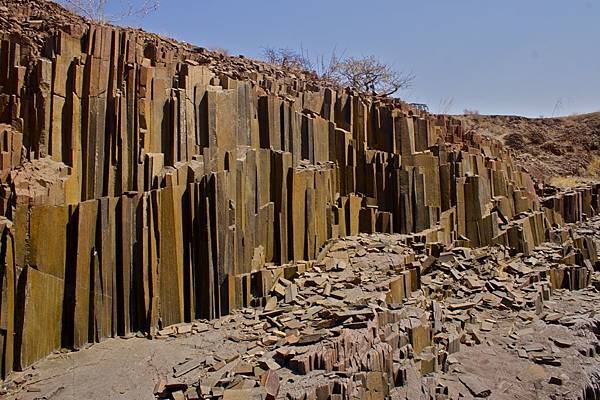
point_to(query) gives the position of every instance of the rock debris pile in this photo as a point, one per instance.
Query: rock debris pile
(377, 314)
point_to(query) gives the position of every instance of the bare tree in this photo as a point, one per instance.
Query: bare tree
(369, 75)
(287, 58)
(96, 10)
(366, 74)
(327, 67)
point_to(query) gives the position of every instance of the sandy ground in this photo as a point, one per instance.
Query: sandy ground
(114, 369)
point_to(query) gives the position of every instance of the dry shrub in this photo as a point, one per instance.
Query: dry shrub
(96, 10)
(537, 138)
(594, 167)
(220, 50)
(286, 58)
(567, 181)
(369, 75)
(552, 148)
(366, 74)
(514, 141)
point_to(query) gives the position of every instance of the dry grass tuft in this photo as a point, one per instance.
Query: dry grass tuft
(566, 182)
(593, 168)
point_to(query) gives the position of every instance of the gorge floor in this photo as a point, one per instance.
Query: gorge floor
(521, 351)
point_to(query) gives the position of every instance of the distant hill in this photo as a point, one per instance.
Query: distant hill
(561, 150)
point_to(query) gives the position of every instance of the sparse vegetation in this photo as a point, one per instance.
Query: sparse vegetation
(514, 141)
(220, 50)
(326, 67)
(370, 75)
(568, 181)
(366, 74)
(286, 58)
(594, 167)
(552, 147)
(97, 10)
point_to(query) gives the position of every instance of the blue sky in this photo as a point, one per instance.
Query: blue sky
(526, 57)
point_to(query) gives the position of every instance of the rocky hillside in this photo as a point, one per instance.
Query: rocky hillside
(562, 150)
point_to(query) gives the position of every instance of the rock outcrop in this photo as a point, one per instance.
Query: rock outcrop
(146, 183)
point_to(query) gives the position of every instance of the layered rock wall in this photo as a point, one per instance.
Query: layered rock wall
(145, 184)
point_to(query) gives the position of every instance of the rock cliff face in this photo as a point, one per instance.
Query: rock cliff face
(147, 183)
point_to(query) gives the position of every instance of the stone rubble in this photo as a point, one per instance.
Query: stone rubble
(376, 312)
